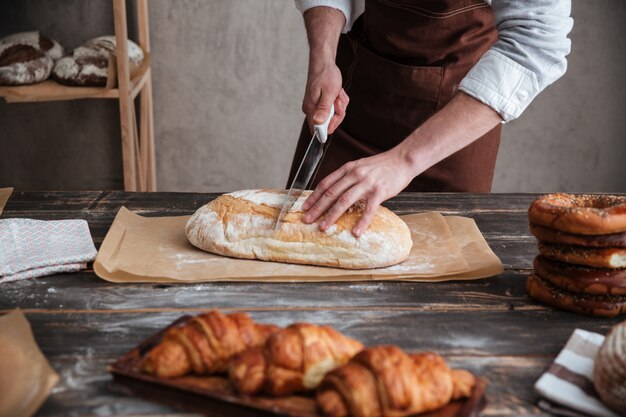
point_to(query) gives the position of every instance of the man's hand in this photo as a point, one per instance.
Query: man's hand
(324, 89)
(323, 26)
(377, 178)
(372, 180)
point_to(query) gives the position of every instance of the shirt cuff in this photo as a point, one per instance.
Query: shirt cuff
(502, 84)
(344, 6)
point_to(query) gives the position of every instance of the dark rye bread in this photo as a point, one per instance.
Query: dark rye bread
(86, 66)
(90, 65)
(27, 58)
(37, 41)
(23, 65)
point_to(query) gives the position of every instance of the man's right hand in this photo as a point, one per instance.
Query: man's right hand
(324, 89)
(324, 25)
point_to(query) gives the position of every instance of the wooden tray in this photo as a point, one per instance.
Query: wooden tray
(198, 394)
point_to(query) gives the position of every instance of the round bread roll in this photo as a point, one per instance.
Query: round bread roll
(85, 67)
(88, 66)
(546, 234)
(581, 279)
(591, 305)
(241, 225)
(27, 58)
(23, 65)
(577, 255)
(587, 214)
(108, 43)
(37, 41)
(609, 372)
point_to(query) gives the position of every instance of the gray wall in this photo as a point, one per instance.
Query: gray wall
(228, 82)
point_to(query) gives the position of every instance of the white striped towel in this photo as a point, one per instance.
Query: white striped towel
(568, 381)
(34, 248)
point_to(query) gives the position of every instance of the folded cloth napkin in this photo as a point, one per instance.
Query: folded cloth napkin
(568, 381)
(34, 248)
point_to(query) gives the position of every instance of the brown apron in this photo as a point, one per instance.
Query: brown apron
(401, 62)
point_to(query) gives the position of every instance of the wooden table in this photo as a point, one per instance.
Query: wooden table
(488, 326)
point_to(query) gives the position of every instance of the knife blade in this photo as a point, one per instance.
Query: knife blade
(307, 167)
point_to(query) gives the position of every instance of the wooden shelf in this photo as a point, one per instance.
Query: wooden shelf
(138, 153)
(51, 90)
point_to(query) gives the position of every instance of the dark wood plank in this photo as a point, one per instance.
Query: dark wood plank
(165, 201)
(534, 332)
(499, 217)
(488, 326)
(87, 389)
(85, 291)
(507, 235)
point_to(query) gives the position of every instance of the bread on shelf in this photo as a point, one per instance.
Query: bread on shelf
(92, 64)
(27, 58)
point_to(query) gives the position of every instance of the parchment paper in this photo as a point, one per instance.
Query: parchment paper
(475, 250)
(155, 249)
(26, 377)
(5, 193)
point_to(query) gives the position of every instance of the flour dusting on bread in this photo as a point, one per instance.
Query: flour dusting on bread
(270, 198)
(241, 224)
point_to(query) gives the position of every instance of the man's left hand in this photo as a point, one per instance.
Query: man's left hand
(372, 180)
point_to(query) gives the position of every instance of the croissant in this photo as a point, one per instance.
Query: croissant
(385, 381)
(294, 359)
(204, 344)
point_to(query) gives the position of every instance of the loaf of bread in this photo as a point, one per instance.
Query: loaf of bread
(241, 224)
(27, 58)
(38, 41)
(609, 371)
(89, 64)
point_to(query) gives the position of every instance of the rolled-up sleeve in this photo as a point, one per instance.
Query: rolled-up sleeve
(351, 9)
(529, 55)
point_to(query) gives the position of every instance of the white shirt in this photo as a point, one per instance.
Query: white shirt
(529, 56)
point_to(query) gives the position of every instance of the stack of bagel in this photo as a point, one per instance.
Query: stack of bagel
(582, 245)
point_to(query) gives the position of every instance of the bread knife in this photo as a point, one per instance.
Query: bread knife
(309, 163)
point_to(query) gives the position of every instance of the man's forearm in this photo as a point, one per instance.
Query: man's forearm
(323, 27)
(455, 126)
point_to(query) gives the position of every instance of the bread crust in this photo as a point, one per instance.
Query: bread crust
(587, 214)
(591, 305)
(241, 225)
(609, 371)
(38, 41)
(599, 281)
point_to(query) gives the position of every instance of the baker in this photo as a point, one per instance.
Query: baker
(429, 82)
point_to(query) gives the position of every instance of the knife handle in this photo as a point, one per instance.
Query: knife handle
(322, 130)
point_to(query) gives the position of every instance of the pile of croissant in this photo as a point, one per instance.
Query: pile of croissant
(348, 379)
